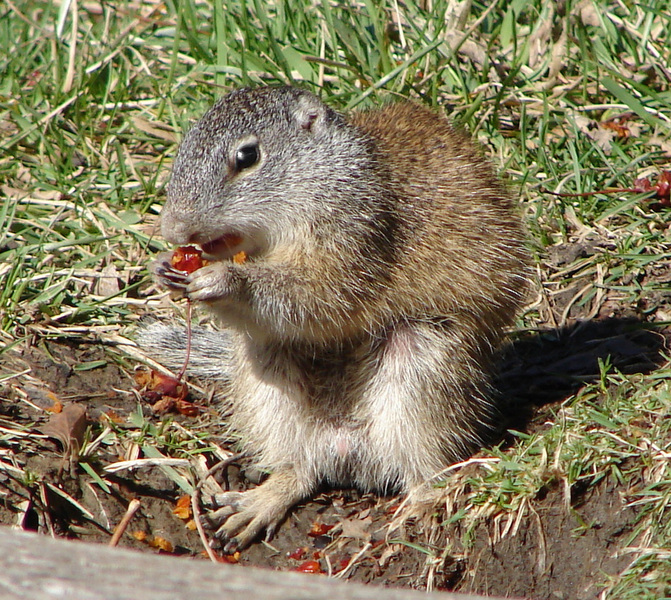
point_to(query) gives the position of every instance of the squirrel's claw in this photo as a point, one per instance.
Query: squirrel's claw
(244, 516)
(166, 275)
(241, 519)
(175, 277)
(240, 530)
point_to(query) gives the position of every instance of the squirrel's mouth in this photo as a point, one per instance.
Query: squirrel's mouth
(225, 246)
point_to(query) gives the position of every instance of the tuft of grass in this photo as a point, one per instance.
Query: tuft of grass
(94, 98)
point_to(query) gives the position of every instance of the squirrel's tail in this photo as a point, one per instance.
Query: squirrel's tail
(210, 356)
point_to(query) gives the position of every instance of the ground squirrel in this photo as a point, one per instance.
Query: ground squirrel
(384, 261)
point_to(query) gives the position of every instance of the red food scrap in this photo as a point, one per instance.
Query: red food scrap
(161, 544)
(319, 529)
(229, 559)
(165, 393)
(155, 385)
(155, 541)
(309, 566)
(183, 507)
(341, 564)
(187, 259)
(661, 188)
(619, 125)
(298, 553)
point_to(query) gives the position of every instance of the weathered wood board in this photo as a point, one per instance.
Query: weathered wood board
(34, 567)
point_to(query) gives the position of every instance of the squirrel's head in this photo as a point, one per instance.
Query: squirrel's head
(261, 166)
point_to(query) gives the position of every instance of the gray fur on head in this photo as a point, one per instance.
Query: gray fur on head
(296, 133)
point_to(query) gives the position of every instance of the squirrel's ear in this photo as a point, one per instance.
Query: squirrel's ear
(310, 114)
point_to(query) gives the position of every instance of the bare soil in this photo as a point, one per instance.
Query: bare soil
(559, 553)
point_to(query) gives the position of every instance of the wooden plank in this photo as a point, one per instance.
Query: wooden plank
(34, 567)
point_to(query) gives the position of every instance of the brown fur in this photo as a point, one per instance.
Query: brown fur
(385, 262)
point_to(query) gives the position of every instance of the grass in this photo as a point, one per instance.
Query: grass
(94, 97)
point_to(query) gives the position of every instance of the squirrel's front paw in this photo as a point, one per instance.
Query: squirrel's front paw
(166, 276)
(215, 281)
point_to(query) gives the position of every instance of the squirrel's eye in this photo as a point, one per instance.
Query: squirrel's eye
(246, 156)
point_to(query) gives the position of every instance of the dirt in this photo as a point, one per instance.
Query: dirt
(556, 553)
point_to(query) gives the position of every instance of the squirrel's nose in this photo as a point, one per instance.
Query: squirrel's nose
(177, 230)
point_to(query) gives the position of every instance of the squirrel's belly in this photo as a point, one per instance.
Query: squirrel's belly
(352, 461)
(343, 455)
(342, 444)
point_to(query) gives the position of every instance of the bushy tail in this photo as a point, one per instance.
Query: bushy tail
(211, 352)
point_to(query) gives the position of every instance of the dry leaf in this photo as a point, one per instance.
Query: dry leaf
(588, 13)
(17, 194)
(584, 124)
(622, 125)
(108, 282)
(540, 38)
(663, 143)
(156, 129)
(388, 553)
(357, 529)
(111, 416)
(68, 427)
(602, 136)
(558, 57)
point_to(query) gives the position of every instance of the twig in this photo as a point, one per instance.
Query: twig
(47, 511)
(195, 508)
(631, 190)
(133, 507)
(354, 560)
(195, 502)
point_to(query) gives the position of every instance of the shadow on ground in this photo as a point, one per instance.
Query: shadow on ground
(548, 366)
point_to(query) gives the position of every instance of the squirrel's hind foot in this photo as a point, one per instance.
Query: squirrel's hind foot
(243, 516)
